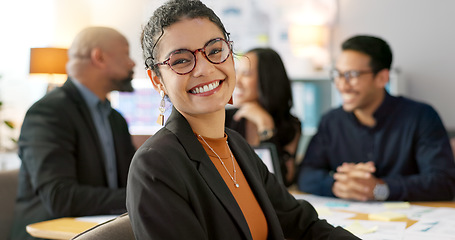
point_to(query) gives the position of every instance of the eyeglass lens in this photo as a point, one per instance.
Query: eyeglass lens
(348, 75)
(183, 61)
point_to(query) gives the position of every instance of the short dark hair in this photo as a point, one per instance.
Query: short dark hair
(168, 14)
(375, 47)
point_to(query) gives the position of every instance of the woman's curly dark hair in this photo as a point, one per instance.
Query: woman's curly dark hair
(168, 14)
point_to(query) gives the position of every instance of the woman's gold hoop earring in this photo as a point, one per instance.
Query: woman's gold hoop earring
(160, 119)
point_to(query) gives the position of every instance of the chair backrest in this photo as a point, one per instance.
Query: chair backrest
(117, 228)
(8, 190)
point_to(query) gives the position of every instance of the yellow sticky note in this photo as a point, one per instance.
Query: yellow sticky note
(358, 229)
(323, 211)
(387, 216)
(397, 205)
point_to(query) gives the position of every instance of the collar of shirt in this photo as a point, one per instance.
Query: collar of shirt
(100, 111)
(384, 110)
(92, 100)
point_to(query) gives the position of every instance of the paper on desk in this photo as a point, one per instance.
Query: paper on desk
(358, 229)
(336, 203)
(441, 213)
(96, 219)
(382, 230)
(414, 212)
(432, 229)
(397, 205)
(332, 215)
(434, 223)
(416, 236)
(323, 211)
(387, 216)
(323, 201)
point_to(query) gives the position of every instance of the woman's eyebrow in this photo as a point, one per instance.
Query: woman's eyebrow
(173, 51)
(180, 49)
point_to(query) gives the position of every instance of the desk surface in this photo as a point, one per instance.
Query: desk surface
(62, 228)
(409, 222)
(67, 228)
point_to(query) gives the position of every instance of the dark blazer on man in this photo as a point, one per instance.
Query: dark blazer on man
(62, 172)
(175, 192)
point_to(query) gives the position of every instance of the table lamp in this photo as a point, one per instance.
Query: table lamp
(50, 62)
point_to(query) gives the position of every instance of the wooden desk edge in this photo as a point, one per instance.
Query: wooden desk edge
(62, 228)
(438, 204)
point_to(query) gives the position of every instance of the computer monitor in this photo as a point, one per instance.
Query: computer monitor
(269, 155)
(140, 108)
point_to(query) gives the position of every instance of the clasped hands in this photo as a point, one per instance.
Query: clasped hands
(355, 181)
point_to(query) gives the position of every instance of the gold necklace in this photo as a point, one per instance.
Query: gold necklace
(234, 179)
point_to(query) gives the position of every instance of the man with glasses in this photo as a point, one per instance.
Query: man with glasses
(377, 146)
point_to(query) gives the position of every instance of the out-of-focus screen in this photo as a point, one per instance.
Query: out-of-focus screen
(140, 108)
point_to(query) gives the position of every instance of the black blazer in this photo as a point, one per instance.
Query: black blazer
(62, 171)
(175, 192)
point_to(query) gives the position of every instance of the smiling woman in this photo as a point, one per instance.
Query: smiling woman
(181, 76)
(196, 179)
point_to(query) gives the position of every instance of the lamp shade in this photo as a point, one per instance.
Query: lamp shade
(48, 60)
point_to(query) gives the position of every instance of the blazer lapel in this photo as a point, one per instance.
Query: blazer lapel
(74, 94)
(256, 185)
(76, 97)
(178, 125)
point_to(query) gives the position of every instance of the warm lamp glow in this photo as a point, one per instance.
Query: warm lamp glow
(307, 35)
(48, 60)
(49, 64)
(309, 41)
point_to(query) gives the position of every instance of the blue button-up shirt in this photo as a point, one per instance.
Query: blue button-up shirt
(100, 111)
(408, 145)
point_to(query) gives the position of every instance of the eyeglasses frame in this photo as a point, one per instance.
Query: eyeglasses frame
(347, 75)
(202, 50)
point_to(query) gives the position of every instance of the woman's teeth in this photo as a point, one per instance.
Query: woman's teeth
(206, 88)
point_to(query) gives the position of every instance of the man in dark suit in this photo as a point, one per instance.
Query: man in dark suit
(75, 149)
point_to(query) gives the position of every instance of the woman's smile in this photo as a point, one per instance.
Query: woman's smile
(206, 88)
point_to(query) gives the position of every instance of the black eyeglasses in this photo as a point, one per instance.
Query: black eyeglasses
(183, 61)
(351, 76)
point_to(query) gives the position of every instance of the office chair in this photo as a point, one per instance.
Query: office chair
(117, 228)
(8, 190)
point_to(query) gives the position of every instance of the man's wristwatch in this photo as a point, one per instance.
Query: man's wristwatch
(381, 191)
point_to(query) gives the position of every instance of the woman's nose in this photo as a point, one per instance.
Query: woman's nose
(203, 65)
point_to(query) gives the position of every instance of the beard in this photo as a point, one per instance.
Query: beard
(124, 84)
